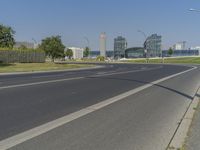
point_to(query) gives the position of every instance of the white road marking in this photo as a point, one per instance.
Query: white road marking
(116, 73)
(68, 79)
(32, 133)
(38, 83)
(47, 76)
(101, 73)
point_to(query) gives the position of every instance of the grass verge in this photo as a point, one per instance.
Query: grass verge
(31, 67)
(181, 60)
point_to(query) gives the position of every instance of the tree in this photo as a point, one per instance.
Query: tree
(69, 53)
(170, 51)
(53, 47)
(6, 37)
(86, 52)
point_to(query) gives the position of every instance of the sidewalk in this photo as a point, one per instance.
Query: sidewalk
(193, 140)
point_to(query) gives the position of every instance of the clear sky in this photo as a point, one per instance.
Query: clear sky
(76, 19)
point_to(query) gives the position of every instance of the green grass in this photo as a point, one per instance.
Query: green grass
(31, 67)
(184, 60)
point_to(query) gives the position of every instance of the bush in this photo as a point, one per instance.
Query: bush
(100, 58)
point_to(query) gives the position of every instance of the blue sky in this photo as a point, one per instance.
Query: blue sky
(76, 19)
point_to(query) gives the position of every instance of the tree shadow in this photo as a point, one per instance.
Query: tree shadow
(145, 82)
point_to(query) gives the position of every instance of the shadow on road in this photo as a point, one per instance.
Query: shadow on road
(145, 82)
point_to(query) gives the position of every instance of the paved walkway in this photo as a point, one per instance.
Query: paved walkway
(193, 141)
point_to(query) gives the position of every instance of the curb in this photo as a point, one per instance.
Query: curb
(178, 140)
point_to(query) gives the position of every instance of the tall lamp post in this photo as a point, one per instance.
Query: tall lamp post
(145, 48)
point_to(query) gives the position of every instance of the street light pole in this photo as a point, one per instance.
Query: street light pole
(145, 48)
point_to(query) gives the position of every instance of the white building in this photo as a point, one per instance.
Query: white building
(102, 41)
(180, 46)
(77, 52)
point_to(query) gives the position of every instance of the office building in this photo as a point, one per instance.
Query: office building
(134, 52)
(196, 48)
(180, 46)
(102, 41)
(120, 44)
(181, 53)
(153, 45)
(109, 53)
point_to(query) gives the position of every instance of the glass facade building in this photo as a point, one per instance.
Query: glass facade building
(134, 52)
(153, 45)
(120, 44)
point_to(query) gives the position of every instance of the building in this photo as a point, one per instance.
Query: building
(179, 53)
(134, 52)
(153, 45)
(24, 44)
(77, 52)
(196, 48)
(120, 44)
(94, 54)
(179, 46)
(102, 41)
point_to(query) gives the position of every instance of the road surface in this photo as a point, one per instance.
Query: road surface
(146, 119)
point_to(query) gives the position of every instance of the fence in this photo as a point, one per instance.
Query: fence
(26, 56)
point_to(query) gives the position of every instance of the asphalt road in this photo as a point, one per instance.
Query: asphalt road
(145, 120)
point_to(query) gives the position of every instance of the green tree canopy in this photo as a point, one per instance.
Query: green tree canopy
(86, 52)
(69, 53)
(6, 37)
(170, 51)
(53, 47)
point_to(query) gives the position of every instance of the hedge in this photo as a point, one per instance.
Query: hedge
(22, 56)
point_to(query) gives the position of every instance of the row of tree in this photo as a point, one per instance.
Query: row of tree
(53, 46)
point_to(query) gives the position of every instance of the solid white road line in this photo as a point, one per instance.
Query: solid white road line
(48, 76)
(76, 78)
(124, 72)
(38, 83)
(27, 135)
